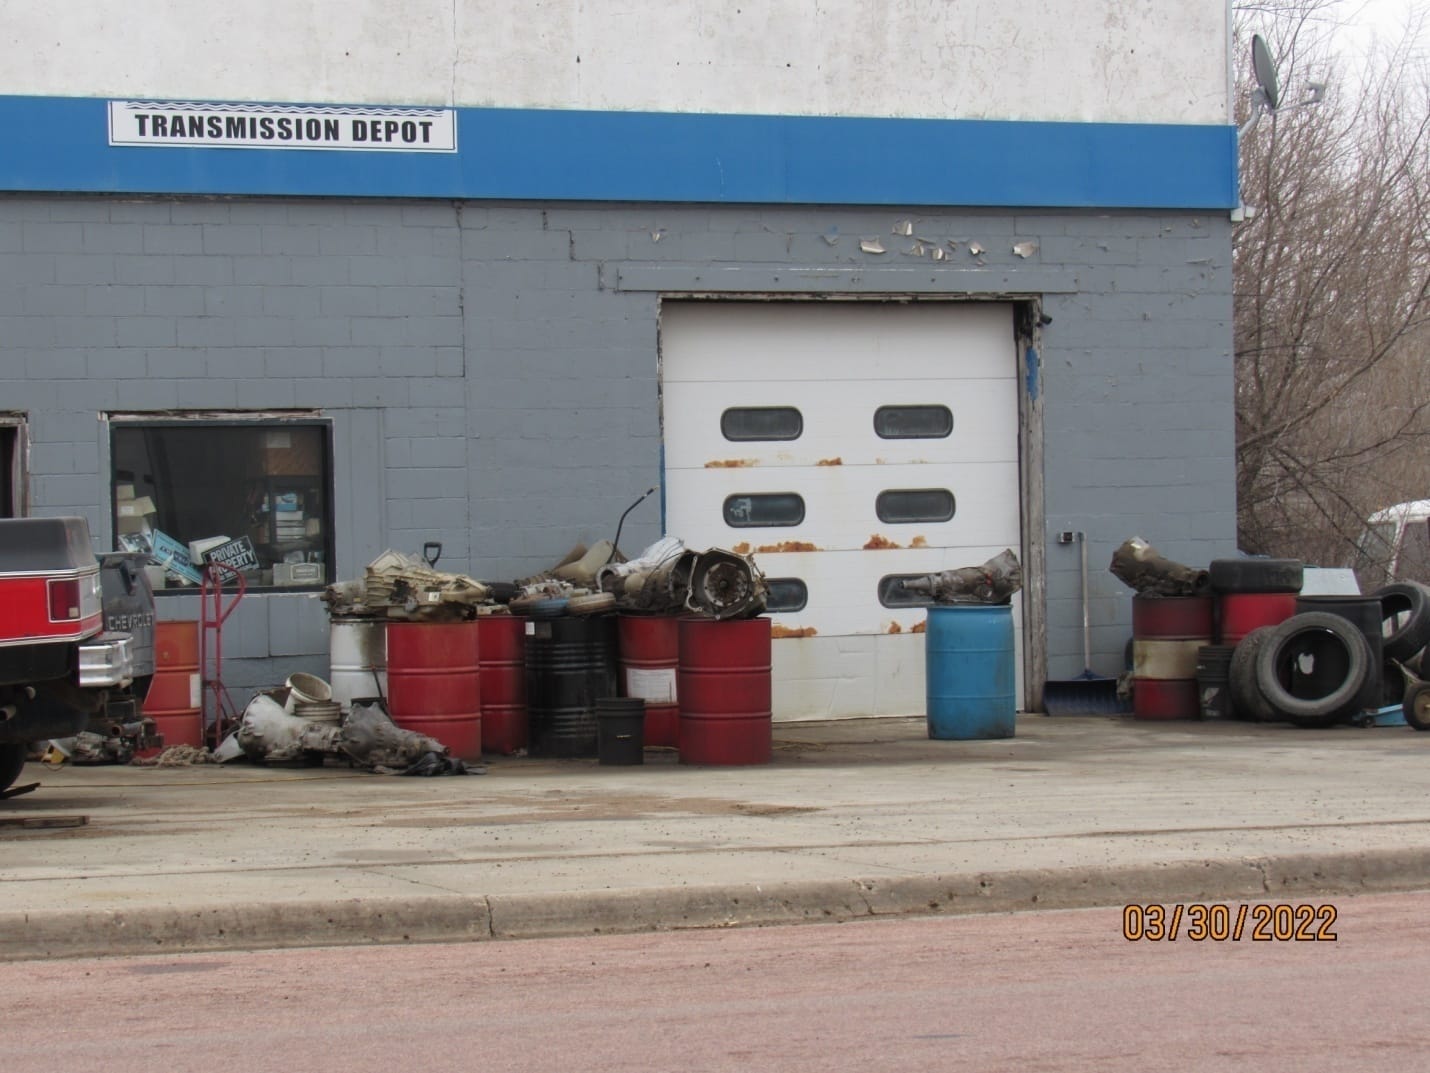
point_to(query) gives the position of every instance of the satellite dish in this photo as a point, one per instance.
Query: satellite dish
(1265, 69)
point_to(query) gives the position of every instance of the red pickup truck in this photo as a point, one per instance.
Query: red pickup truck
(57, 662)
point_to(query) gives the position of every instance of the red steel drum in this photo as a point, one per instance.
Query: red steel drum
(723, 682)
(501, 649)
(650, 660)
(1242, 612)
(434, 683)
(1167, 631)
(176, 695)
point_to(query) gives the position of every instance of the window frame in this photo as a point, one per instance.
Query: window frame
(879, 508)
(725, 510)
(798, 413)
(14, 458)
(917, 600)
(771, 582)
(264, 422)
(914, 406)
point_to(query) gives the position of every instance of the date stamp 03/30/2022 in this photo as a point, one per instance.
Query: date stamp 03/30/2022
(1261, 922)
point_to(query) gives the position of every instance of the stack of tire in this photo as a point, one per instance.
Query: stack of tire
(1405, 633)
(1333, 659)
(1250, 594)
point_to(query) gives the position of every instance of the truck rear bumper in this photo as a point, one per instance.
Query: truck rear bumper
(106, 661)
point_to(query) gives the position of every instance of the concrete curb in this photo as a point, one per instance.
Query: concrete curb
(256, 926)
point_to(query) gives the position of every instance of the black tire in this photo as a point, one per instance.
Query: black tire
(1246, 700)
(1256, 575)
(12, 762)
(1326, 639)
(1417, 706)
(1404, 619)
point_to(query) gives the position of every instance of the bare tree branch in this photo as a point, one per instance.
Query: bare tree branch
(1332, 288)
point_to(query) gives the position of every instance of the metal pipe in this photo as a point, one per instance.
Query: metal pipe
(615, 544)
(1086, 626)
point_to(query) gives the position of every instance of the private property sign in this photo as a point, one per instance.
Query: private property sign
(189, 124)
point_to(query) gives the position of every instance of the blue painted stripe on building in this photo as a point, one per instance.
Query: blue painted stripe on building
(61, 144)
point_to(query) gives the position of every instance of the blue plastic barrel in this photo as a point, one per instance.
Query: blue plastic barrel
(969, 672)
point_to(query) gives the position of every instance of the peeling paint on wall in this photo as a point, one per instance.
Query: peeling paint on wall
(786, 545)
(1034, 364)
(779, 632)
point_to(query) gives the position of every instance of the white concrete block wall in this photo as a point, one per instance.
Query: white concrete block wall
(1075, 60)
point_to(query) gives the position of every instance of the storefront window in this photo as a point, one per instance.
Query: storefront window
(255, 496)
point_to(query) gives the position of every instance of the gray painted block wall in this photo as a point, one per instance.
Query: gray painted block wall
(491, 370)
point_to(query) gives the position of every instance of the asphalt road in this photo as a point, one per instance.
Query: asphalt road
(1047, 991)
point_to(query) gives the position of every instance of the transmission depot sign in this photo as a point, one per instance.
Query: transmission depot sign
(189, 124)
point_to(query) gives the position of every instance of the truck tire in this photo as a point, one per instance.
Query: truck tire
(1405, 619)
(1417, 705)
(1338, 656)
(12, 762)
(1246, 700)
(1256, 575)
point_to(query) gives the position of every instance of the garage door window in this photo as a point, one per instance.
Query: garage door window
(745, 424)
(913, 422)
(893, 594)
(760, 510)
(254, 495)
(787, 594)
(914, 505)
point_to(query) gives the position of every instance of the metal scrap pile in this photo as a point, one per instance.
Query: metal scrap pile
(366, 739)
(668, 577)
(1139, 566)
(406, 588)
(994, 582)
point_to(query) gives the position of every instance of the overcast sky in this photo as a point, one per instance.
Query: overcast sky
(1385, 20)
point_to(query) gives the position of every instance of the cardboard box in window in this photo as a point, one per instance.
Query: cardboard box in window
(292, 453)
(134, 508)
(298, 573)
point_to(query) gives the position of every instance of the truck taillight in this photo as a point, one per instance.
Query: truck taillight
(64, 599)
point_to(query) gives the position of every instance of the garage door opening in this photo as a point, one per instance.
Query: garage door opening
(846, 445)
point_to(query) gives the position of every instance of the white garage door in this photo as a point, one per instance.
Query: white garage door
(845, 444)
